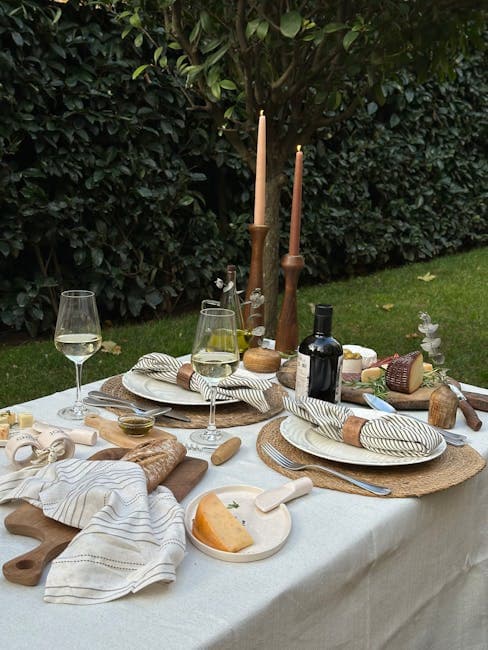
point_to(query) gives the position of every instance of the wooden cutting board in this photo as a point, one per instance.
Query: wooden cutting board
(54, 536)
(416, 401)
(110, 431)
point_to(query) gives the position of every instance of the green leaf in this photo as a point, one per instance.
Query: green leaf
(262, 30)
(157, 54)
(394, 120)
(215, 89)
(57, 15)
(290, 24)
(251, 27)
(135, 20)
(330, 28)
(334, 100)
(349, 39)
(228, 84)
(228, 115)
(138, 40)
(139, 70)
(195, 33)
(216, 56)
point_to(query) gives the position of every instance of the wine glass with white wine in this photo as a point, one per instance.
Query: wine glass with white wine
(215, 355)
(78, 336)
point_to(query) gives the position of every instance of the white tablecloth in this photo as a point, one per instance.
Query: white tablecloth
(356, 572)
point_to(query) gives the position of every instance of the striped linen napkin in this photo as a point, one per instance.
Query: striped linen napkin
(129, 538)
(392, 434)
(247, 389)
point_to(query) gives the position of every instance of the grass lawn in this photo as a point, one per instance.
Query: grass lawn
(378, 311)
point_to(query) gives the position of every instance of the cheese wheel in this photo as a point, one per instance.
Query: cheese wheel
(215, 526)
(406, 373)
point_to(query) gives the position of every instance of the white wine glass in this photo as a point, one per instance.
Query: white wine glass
(215, 355)
(78, 336)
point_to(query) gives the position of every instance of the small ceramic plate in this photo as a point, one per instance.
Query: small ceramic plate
(303, 435)
(269, 530)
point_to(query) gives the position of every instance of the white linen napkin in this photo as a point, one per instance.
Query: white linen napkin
(247, 389)
(129, 538)
(392, 434)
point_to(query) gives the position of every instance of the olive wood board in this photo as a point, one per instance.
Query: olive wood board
(54, 536)
(110, 431)
(416, 401)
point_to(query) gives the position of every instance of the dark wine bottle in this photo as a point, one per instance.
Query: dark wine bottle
(319, 365)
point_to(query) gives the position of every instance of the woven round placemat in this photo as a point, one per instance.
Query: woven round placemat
(226, 415)
(454, 466)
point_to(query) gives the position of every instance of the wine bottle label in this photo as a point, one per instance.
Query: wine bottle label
(303, 376)
(339, 379)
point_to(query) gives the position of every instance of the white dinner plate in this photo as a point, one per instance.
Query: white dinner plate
(303, 435)
(162, 391)
(269, 530)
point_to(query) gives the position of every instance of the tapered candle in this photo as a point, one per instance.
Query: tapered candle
(260, 188)
(296, 206)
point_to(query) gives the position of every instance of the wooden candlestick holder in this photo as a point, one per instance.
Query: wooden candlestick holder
(255, 281)
(287, 331)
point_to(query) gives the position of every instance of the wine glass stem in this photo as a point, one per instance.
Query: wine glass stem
(78, 405)
(211, 428)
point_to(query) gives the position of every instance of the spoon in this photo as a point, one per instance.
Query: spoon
(379, 404)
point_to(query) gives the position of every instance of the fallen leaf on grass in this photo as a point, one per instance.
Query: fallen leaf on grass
(428, 277)
(413, 335)
(111, 347)
(311, 306)
(388, 307)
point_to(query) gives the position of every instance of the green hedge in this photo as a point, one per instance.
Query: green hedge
(92, 192)
(114, 184)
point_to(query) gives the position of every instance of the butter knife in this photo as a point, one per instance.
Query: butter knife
(470, 415)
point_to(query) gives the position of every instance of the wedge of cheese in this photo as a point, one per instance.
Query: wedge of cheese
(215, 526)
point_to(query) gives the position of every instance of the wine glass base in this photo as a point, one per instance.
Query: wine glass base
(75, 414)
(210, 438)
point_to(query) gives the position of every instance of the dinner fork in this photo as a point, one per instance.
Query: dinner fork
(91, 401)
(286, 463)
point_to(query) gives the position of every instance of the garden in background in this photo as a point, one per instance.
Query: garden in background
(111, 183)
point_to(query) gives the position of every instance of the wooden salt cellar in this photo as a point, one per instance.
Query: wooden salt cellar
(287, 332)
(443, 407)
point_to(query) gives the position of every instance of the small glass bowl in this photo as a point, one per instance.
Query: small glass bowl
(136, 425)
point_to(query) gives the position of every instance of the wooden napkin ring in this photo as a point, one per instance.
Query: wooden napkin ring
(351, 430)
(185, 373)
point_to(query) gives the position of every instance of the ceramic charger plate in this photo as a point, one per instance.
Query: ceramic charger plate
(164, 392)
(270, 530)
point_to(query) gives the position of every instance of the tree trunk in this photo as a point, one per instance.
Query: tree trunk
(271, 262)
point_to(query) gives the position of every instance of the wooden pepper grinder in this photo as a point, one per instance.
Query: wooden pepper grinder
(443, 407)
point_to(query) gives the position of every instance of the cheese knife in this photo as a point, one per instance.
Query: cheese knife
(470, 415)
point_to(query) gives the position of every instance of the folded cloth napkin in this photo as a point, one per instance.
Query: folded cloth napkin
(392, 434)
(166, 368)
(129, 538)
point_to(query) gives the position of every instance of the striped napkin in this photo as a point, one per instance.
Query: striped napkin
(392, 434)
(129, 538)
(247, 389)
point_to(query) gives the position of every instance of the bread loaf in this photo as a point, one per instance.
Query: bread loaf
(158, 458)
(406, 373)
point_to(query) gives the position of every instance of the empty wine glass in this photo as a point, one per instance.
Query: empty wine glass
(215, 355)
(78, 337)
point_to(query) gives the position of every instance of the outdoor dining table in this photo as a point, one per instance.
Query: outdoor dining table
(356, 572)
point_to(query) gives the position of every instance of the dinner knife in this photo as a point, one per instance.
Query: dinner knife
(470, 415)
(106, 403)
